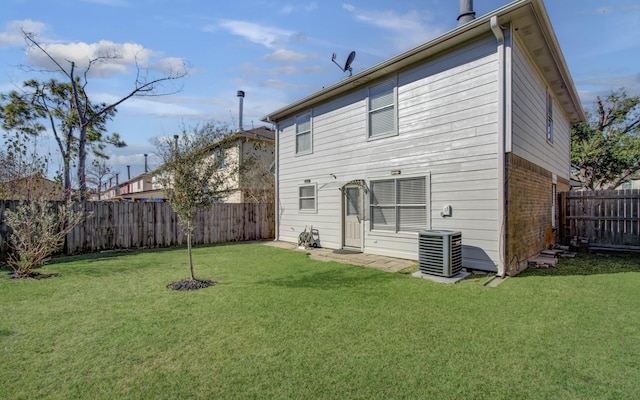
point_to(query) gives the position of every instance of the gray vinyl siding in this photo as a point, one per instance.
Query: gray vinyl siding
(447, 131)
(530, 119)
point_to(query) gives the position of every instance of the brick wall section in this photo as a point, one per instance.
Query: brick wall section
(529, 201)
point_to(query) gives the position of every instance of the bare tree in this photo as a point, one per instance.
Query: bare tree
(99, 174)
(85, 113)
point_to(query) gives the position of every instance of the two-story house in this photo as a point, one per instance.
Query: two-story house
(468, 132)
(249, 155)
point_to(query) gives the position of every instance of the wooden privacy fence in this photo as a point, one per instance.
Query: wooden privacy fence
(127, 225)
(607, 219)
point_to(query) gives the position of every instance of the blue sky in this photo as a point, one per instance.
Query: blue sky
(276, 51)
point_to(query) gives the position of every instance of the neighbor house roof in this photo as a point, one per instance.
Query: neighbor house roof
(528, 17)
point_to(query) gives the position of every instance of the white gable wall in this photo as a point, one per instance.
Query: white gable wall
(447, 125)
(530, 119)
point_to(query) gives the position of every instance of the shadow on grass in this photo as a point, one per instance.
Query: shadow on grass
(327, 279)
(590, 264)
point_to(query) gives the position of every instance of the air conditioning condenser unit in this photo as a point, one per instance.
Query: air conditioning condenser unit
(440, 252)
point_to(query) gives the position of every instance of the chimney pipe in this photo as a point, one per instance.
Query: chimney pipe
(117, 174)
(466, 12)
(128, 172)
(240, 110)
(146, 167)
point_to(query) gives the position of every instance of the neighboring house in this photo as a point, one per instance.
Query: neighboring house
(31, 188)
(633, 182)
(254, 183)
(468, 132)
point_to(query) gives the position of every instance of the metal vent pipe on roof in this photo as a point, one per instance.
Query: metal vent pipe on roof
(240, 100)
(466, 12)
(146, 166)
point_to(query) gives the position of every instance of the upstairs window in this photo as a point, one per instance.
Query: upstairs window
(399, 205)
(382, 110)
(303, 133)
(549, 117)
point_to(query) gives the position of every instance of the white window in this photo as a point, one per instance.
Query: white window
(399, 205)
(549, 117)
(307, 198)
(303, 133)
(382, 110)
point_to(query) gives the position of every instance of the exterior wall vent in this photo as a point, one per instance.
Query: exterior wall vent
(440, 252)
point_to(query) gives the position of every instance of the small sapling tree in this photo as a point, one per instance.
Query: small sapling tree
(195, 173)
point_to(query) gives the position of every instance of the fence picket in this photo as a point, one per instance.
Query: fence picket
(608, 219)
(114, 225)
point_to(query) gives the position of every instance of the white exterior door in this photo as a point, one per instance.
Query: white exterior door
(352, 212)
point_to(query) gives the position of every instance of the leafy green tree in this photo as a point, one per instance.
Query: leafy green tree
(52, 103)
(606, 148)
(195, 173)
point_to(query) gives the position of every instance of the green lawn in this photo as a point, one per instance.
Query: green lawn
(282, 326)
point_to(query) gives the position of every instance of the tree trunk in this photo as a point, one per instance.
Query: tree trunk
(189, 229)
(82, 160)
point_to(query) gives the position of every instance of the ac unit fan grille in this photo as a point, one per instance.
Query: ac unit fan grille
(440, 253)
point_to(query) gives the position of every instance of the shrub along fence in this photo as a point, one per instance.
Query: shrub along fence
(608, 219)
(127, 225)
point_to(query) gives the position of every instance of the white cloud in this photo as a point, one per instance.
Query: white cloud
(267, 36)
(12, 34)
(289, 9)
(107, 58)
(408, 30)
(282, 55)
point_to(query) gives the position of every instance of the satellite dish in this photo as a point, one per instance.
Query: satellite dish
(347, 64)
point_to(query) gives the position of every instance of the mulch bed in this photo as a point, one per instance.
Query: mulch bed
(31, 275)
(191, 284)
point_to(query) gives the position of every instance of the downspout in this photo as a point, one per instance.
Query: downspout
(276, 186)
(498, 32)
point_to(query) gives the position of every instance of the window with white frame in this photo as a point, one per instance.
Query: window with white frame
(307, 198)
(382, 109)
(549, 117)
(399, 205)
(303, 133)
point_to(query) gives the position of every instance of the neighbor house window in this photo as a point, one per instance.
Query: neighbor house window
(382, 110)
(399, 205)
(307, 198)
(549, 117)
(303, 133)
(219, 158)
